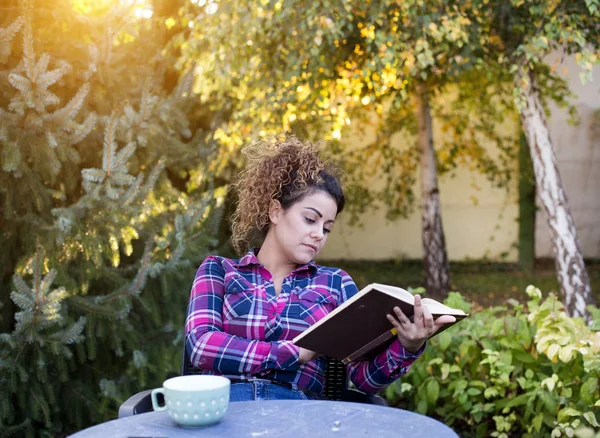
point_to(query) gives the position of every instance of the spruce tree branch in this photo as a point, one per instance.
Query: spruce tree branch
(8, 33)
(109, 142)
(85, 304)
(143, 271)
(16, 359)
(124, 155)
(28, 52)
(37, 272)
(36, 394)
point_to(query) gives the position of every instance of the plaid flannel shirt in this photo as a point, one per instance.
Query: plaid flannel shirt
(237, 326)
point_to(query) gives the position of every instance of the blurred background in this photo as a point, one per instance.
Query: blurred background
(467, 134)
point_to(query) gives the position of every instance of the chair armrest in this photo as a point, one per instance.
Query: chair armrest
(137, 404)
(353, 395)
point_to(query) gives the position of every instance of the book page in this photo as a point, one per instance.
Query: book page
(434, 306)
(404, 295)
(438, 308)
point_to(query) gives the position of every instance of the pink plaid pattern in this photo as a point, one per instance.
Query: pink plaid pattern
(238, 327)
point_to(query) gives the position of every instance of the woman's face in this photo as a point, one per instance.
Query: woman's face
(301, 230)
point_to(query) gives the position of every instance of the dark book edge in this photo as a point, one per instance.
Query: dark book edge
(337, 310)
(372, 346)
(382, 339)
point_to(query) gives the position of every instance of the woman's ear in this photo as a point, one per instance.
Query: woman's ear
(275, 211)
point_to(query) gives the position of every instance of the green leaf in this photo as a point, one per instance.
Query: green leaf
(518, 401)
(524, 333)
(497, 326)
(436, 361)
(550, 383)
(445, 369)
(473, 391)
(433, 391)
(591, 418)
(444, 340)
(490, 392)
(523, 357)
(553, 351)
(548, 400)
(537, 421)
(588, 390)
(565, 413)
(567, 353)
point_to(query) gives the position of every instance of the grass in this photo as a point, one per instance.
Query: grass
(484, 283)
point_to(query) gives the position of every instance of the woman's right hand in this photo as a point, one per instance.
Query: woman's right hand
(306, 355)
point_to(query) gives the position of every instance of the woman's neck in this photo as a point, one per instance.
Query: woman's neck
(273, 260)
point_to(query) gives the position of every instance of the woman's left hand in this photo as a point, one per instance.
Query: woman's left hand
(412, 335)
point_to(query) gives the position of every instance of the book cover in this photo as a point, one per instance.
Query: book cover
(359, 327)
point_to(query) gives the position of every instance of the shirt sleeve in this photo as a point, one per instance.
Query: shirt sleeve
(375, 374)
(209, 347)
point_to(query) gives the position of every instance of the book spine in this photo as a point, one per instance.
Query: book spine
(382, 339)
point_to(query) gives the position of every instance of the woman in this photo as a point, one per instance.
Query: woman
(244, 313)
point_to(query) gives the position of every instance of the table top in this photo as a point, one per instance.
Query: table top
(282, 418)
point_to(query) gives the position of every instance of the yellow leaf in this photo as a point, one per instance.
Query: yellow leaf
(170, 22)
(566, 354)
(552, 351)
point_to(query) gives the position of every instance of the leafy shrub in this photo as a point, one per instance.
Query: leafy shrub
(516, 370)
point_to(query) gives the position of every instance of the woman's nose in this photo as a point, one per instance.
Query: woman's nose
(318, 234)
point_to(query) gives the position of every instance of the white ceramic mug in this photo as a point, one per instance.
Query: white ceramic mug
(194, 401)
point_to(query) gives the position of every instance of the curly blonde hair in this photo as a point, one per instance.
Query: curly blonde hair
(282, 169)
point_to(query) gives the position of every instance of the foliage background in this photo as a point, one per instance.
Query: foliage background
(108, 205)
(114, 168)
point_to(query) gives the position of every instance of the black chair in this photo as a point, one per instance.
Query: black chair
(336, 388)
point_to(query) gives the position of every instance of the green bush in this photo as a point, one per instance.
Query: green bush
(517, 370)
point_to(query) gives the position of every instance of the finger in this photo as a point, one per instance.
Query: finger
(418, 310)
(444, 319)
(401, 316)
(427, 319)
(394, 321)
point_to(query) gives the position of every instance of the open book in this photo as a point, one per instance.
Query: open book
(359, 328)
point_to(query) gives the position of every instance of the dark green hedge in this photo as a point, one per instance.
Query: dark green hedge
(517, 370)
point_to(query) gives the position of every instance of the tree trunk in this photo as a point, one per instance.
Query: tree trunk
(435, 259)
(570, 268)
(526, 208)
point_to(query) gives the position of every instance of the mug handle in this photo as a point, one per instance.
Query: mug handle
(154, 398)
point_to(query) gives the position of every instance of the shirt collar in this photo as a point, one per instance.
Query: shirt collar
(249, 259)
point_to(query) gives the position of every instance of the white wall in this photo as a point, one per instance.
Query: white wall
(578, 153)
(489, 228)
(479, 220)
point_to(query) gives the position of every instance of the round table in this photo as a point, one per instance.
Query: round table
(283, 418)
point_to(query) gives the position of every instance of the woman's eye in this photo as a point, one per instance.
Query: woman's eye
(326, 231)
(309, 220)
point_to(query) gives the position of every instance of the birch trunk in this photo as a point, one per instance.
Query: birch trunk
(570, 268)
(435, 259)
